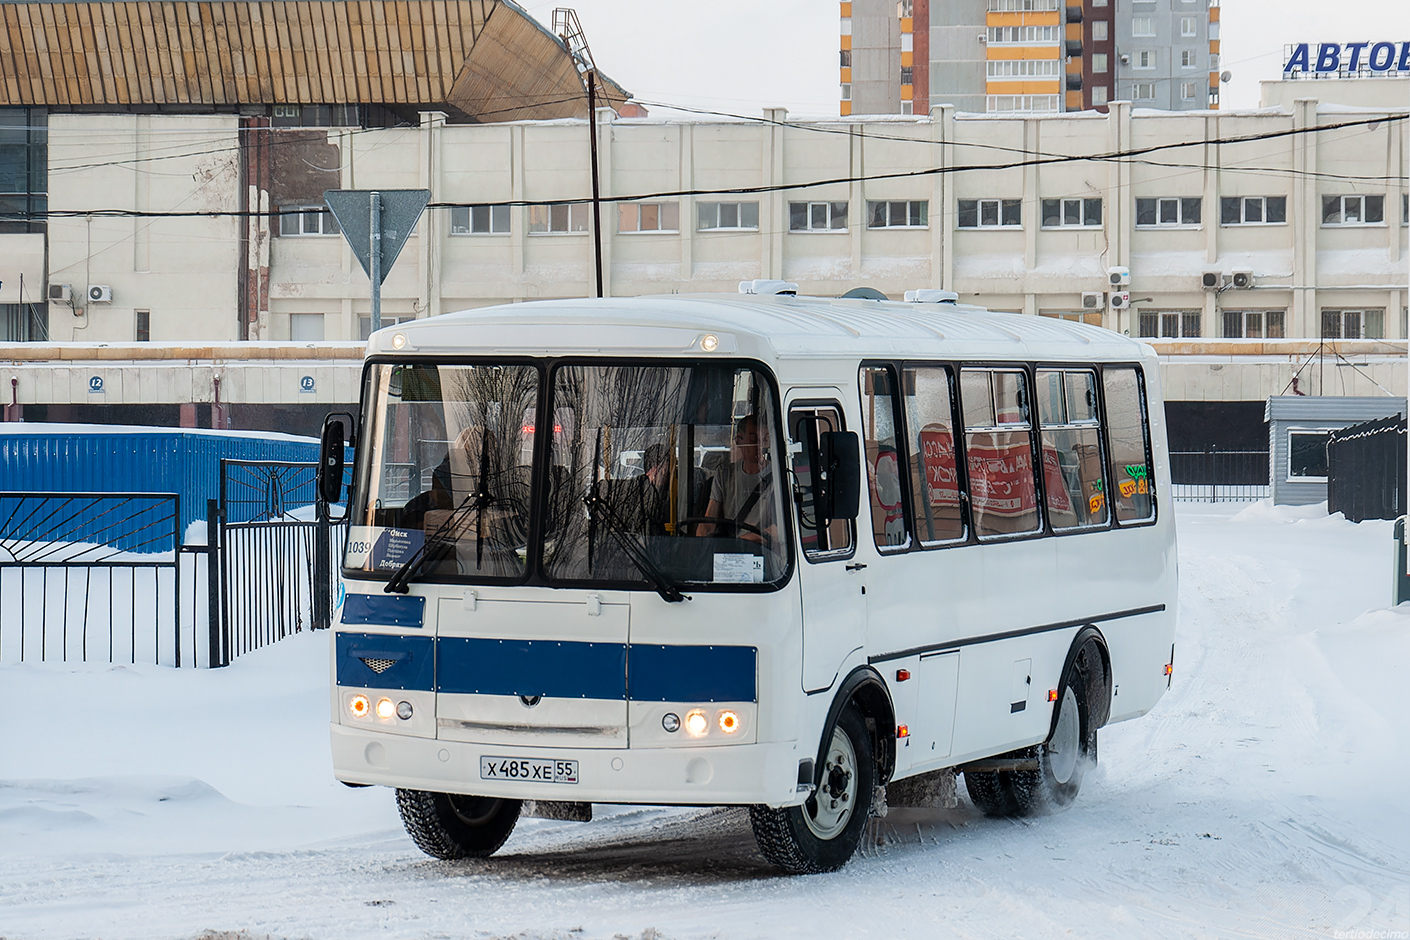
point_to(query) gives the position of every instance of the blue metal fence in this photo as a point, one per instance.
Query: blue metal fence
(186, 462)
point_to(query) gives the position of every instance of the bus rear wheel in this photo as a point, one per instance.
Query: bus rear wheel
(823, 833)
(451, 826)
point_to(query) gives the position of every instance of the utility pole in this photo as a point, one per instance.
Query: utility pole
(591, 77)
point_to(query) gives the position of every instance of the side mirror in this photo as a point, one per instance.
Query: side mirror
(330, 460)
(837, 490)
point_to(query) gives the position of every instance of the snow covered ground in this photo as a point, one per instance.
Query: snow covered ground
(1264, 797)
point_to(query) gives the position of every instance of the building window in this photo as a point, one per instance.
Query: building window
(1000, 104)
(1188, 26)
(906, 74)
(567, 218)
(908, 107)
(1143, 91)
(911, 214)
(729, 216)
(1022, 68)
(1353, 324)
(1189, 91)
(1099, 3)
(1145, 59)
(24, 169)
(1023, 6)
(904, 9)
(1099, 95)
(817, 216)
(1023, 34)
(1099, 63)
(1307, 455)
(1189, 59)
(364, 324)
(648, 217)
(1089, 317)
(1169, 210)
(1353, 210)
(479, 220)
(1099, 30)
(1072, 213)
(1405, 208)
(307, 220)
(1254, 324)
(846, 91)
(1169, 324)
(306, 327)
(990, 213)
(907, 42)
(144, 326)
(846, 26)
(846, 58)
(1253, 210)
(1142, 26)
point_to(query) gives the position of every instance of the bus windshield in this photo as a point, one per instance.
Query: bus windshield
(655, 474)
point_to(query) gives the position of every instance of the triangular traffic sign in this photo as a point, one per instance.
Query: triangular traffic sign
(400, 208)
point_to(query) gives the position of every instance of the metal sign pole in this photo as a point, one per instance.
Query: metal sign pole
(376, 260)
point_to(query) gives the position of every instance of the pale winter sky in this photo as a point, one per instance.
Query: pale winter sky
(744, 55)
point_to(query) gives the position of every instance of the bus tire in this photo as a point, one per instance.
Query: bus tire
(450, 825)
(823, 833)
(988, 793)
(1062, 760)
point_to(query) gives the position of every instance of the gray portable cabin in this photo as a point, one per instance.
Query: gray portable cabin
(1298, 426)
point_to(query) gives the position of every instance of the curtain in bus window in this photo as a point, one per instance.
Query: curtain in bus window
(451, 452)
(999, 452)
(1128, 444)
(680, 464)
(1072, 459)
(884, 481)
(935, 479)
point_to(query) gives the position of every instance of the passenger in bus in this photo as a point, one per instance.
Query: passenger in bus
(739, 498)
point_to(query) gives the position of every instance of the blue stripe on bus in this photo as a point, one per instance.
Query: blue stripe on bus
(384, 610)
(693, 673)
(405, 662)
(551, 668)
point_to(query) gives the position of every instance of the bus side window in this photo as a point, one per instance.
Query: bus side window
(935, 480)
(833, 540)
(999, 451)
(1128, 445)
(1072, 457)
(883, 458)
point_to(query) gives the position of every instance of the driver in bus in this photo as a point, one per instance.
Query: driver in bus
(739, 498)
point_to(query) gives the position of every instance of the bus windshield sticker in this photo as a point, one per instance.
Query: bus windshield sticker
(386, 548)
(739, 568)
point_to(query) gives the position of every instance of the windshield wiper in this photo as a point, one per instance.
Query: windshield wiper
(436, 544)
(599, 508)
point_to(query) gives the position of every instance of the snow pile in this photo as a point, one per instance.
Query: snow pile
(1264, 797)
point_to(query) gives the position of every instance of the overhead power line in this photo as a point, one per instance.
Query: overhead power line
(1046, 160)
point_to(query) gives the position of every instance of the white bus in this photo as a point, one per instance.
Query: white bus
(806, 556)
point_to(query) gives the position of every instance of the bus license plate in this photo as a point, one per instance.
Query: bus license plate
(531, 769)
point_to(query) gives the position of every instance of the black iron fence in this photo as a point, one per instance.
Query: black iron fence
(1215, 475)
(96, 577)
(1366, 470)
(106, 577)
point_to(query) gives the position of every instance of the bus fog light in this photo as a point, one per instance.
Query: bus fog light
(403, 710)
(671, 722)
(729, 722)
(696, 723)
(385, 708)
(359, 706)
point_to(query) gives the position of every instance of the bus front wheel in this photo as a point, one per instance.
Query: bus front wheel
(823, 833)
(451, 826)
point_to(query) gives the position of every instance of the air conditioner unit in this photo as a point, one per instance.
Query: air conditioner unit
(1120, 299)
(1118, 277)
(1211, 280)
(100, 294)
(1242, 280)
(60, 294)
(1093, 299)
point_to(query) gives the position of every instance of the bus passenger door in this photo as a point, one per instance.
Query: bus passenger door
(833, 584)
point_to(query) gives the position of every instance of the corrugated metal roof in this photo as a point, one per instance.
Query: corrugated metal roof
(1331, 408)
(483, 57)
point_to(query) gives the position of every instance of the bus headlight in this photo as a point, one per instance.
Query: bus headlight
(404, 710)
(696, 724)
(671, 722)
(385, 708)
(729, 722)
(359, 706)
